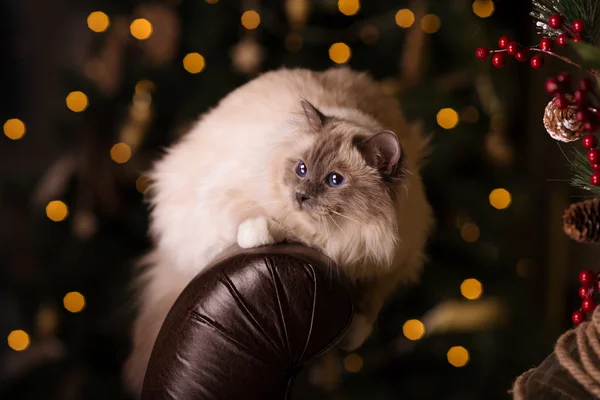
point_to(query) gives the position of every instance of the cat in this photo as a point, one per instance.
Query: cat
(321, 158)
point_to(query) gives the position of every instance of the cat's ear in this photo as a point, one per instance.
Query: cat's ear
(315, 118)
(382, 152)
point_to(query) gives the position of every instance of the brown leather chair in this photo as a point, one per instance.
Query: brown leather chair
(243, 328)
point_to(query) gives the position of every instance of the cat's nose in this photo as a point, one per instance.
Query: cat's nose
(301, 197)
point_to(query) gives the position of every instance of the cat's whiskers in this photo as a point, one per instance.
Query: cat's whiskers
(345, 216)
(286, 212)
(339, 227)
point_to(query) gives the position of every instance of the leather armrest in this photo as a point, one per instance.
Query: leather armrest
(244, 327)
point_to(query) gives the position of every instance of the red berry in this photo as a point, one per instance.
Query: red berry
(585, 84)
(562, 39)
(578, 317)
(503, 42)
(578, 25)
(561, 102)
(551, 85)
(596, 167)
(498, 60)
(586, 291)
(583, 116)
(578, 39)
(555, 21)
(586, 277)
(580, 96)
(563, 78)
(588, 305)
(589, 126)
(482, 53)
(590, 142)
(537, 62)
(546, 44)
(521, 55)
(595, 179)
(593, 157)
(512, 48)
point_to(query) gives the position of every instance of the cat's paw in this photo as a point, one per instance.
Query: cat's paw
(254, 232)
(359, 330)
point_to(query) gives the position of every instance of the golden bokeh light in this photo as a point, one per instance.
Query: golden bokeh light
(293, 42)
(250, 19)
(77, 101)
(469, 114)
(447, 118)
(369, 34)
(340, 53)
(57, 211)
(431, 23)
(120, 153)
(194, 63)
(141, 29)
(525, 268)
(14, 129)
(484, 8)
(413, 329)
(144, 86)
(500, 198)
(212, 1)
(471, 289)
(142, 184)
(469, 232)
(498, 123)
(98, 21)
(18, 340)
(348, 7)
(74, 302)
(458, 356)
(405, 18)
(353, 362)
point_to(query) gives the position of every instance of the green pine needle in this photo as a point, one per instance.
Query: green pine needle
(582, 170)
(587, 10)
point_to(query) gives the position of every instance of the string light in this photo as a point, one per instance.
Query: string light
(353, 362)
(98, 21)
(348, 7)
(293, 42)
(405, 18)
(469, 232)
(141, 29)
(471, 289)
(142, 184)
(18, 340)
(14, 129)
(369, 34)
(74, 302)
(500, 199)
(57, 211)
(194, 63)
(413, 329)
(447, 118)
(120, 153)
(250, 19)
(77, 101)
(340, 53)
(483, 8)
(469, 114)
(431, 23)
(458, 356)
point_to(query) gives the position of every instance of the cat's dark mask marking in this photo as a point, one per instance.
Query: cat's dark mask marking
(315, 118)
(382, 151)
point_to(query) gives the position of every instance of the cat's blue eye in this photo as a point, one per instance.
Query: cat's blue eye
(301, 169)
(335, 180)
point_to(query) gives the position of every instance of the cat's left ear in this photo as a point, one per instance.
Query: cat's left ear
(382, 152)
(315, 118)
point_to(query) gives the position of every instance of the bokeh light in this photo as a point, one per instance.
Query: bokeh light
(525, 268)
(250, 19)
(369, 34)
(144, 86)
(458, 356)
(469, 232)
(413, 329)
(348, 7)
(77, 101)
(194, 63)
(14, 129)
(353, 362)
(339, 53)
(142, 184)
(405, 18)
(500, 198)
(18, 340)
(141, 29)
(483, 8)
(212, 1)
(98, 21)
(469, 114)
(471, 289)
(447, 118)
(74, 302)
(57, 211)
(120, 153)
(293, 42)
(431, 23)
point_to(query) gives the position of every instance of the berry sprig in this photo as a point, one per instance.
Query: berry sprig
(590, 284)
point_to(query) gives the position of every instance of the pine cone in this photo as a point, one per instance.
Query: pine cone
(581, 221)
(562, 124)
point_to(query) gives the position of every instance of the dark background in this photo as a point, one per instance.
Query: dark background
(527, 267)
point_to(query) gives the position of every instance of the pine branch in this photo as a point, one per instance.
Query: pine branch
(587, 10)
(582, 170)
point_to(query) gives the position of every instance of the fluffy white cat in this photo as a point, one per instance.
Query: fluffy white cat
(322, 158)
